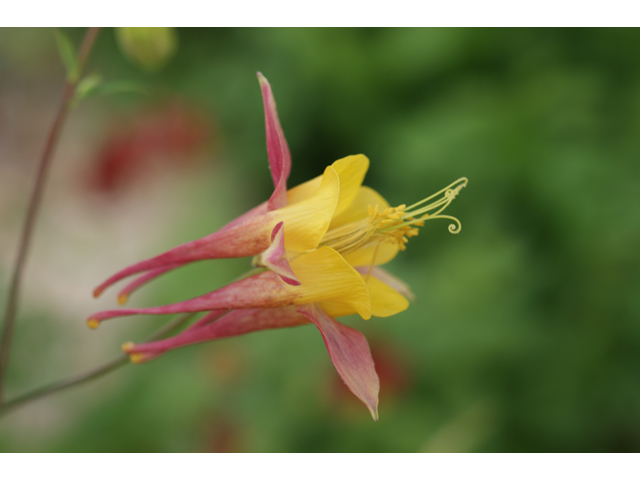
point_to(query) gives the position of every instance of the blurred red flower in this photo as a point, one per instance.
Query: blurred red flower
(172, 133)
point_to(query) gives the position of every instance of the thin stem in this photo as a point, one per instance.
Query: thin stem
(94, 374)
(34, 205)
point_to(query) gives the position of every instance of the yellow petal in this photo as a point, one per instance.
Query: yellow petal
(385, 301)
(394, 282)
(306, 222)
(374, 255)
(303, 191)
(337, 309)
(351, 171)
(325, 276)
(358, 210)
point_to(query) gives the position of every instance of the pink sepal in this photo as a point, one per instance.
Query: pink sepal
(237, 322)
(277, 148)
(254, 212)
(263, 290)
(350, 354)
(275, 257)
(244, 239)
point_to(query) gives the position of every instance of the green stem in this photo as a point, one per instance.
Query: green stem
(94, 374)
(34, 205)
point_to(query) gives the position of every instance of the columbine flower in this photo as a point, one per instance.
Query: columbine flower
(317, 248)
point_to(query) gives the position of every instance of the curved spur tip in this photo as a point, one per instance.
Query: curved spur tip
(123, 298)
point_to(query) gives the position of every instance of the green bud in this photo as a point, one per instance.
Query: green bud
(149, 47)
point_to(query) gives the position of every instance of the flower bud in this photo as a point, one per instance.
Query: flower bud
(148, 47)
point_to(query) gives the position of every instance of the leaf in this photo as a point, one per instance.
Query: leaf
(121, 86)
(68, 54)
(92, 86)
(87, 87)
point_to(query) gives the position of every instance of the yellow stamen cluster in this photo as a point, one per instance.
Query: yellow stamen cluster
(394, 224)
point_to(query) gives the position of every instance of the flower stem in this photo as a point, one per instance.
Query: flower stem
(34, 204)
(94, 374)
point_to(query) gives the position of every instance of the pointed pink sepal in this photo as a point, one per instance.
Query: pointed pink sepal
(237, 322)
(263, 290)
(241, 239)
(277, 148)
(275, 258)
(350, 354)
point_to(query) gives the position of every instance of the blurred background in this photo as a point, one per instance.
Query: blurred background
(526, 332)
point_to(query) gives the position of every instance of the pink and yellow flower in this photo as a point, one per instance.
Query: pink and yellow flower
(317, 248)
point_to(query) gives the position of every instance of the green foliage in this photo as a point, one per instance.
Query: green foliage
(92, 85)
(67, 54)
